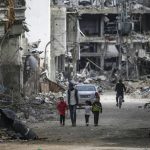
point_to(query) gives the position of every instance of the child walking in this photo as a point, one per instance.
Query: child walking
(62, 108)
(96, 109)
(88, 109)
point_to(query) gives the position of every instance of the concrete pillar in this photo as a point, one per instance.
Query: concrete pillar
(102, 59)
(73, 39)
(103, 49)
(102, 3)
(21, 44)
(52, 70)
(99, 58)
(58, 38)
(102, 26)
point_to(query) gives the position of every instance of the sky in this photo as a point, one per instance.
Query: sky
(38, 20)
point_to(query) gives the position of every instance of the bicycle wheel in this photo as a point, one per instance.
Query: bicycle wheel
(120, 101)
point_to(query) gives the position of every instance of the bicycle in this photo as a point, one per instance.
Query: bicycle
(120, 100)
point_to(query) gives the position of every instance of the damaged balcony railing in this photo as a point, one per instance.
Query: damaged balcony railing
(9, 14)
(20, 13)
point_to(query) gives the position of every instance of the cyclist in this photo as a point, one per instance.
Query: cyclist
(120, 89)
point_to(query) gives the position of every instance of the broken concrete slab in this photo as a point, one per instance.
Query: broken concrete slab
(9, 121)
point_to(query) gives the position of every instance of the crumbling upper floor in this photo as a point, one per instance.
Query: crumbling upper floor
(12, 15)
(103, 6)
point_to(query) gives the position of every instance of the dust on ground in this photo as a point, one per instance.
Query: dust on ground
(118, 129)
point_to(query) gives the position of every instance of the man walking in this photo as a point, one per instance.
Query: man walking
(72, 102)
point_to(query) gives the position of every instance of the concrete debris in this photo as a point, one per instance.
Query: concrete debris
(139, 89)
(5, 99)
(54, 87)
(140, 37)
(17, 129)
(140, 6)
(25, 27)
(102, 77)
(49, 85)
(39, 107)
(147, 106)
(35, 44)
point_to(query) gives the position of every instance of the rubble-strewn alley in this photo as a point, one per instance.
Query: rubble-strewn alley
(90, 42)
(118, 129)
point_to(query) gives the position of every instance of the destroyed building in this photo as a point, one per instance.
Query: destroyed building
(12, 16)
(110, 35)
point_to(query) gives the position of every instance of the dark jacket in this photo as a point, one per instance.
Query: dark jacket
(120, 88)
(76, 95)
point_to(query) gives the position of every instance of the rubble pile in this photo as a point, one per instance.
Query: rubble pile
(14, 122)
(106, 80)
(33, 109)
(39, 108)
(139, 88)
(3, 135)
(11, 126)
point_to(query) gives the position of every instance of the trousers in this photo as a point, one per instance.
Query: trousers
(72, 109)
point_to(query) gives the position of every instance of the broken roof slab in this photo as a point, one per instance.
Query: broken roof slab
(107, 10)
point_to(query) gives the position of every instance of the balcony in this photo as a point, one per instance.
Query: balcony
(16, 28)
(3, 14)
(20, 13)
(96, 10)
(95, 40)
(108, 10)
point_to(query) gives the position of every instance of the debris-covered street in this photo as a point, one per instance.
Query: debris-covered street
(125, 127)
(65, 67)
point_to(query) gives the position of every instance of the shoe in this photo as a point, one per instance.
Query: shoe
(87, 124)
(123, 100)
(96, 125)
(74, 125)
(117, 104)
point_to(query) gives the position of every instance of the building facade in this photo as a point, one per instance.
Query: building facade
(12, 28)
(110, 35)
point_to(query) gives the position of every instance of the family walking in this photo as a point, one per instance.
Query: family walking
(72, 99)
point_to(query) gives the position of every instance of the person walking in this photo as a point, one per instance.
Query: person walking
(72, 102)
(88, 109)
(120, 89)
(62, 108)
(96, 109)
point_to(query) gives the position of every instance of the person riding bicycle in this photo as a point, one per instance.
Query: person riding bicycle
(120, 89)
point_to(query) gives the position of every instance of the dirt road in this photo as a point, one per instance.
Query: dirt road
(118, 129)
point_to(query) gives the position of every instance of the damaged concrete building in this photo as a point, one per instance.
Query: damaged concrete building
(112, 36)
(12, 16)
